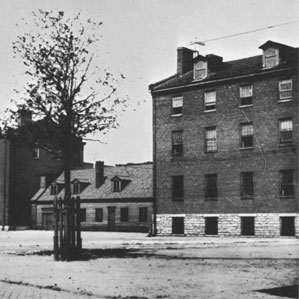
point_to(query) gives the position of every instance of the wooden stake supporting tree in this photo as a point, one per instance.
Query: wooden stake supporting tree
(69, 90)
(67, 229)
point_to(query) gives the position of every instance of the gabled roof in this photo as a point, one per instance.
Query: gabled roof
(140, 186)
(229, 69)
(270, 43)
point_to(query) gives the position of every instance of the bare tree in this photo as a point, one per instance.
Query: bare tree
(65, 86)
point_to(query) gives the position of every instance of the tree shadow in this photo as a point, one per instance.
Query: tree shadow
(285, 291)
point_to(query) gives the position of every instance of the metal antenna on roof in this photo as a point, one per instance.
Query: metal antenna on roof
(203, 43)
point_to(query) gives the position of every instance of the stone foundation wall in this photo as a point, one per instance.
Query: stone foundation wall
(265, 224)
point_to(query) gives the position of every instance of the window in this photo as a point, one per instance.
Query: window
(99, 215)
(287, 183)
(246, 135)
(177, 105)
(211, 186)
(124, 214)
(210, 100)
(76, 188)
(35, 152)
(286, 131)
(178, 187)
(54, 189)
(82, 215)
(211, 225)
(246, 184)
(178, 225)
(143, 214)
(285, 90)
(270, 57)
(246, 95)
(287, 226)
(200, 70)
(247, 226)
(116, 185)
(211, 139)
(177, 143)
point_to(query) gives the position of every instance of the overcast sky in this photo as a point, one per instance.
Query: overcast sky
(140, 38)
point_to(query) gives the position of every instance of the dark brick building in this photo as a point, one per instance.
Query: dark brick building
(226, 145)
(21, 167)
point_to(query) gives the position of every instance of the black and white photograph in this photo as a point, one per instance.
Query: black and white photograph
(149, 149)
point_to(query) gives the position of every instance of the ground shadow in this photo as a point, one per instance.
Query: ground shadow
(286, 291)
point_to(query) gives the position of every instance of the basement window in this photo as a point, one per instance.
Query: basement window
(287, 226)
(178, 225)
(211, 225)
(247, 226)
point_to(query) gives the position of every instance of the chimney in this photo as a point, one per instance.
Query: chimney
(42, 182)
(25, 117)
(214, 62)
(99, 173)
(184, 60)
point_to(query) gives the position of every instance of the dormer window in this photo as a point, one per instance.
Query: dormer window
(54, 189)
(119, 183)
(117, 186)
(76, 188)
(200, 70)
(270, 57)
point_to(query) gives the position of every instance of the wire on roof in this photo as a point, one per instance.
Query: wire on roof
(202, 43)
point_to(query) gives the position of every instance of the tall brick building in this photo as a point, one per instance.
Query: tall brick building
(21, 167)
(226, 145)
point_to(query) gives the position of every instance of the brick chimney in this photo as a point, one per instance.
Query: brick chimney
(214, 62)
(25, 118)
(184, 60)
(99, 173)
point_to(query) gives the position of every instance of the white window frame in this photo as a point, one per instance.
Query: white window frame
(200, 70)
(269, 54)
(285, 128)
(211, 142)
(246, 91)
(285, 94)
(209, 100)
(177, 102)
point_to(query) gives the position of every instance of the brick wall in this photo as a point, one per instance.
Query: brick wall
(266, 159)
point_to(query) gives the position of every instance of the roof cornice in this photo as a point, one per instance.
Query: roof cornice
(235, 78)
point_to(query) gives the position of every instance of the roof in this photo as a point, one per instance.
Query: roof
(229, 69)
(140, 185)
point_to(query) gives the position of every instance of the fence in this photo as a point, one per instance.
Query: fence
(67, 229)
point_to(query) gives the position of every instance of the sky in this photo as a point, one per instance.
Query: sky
(140, 38)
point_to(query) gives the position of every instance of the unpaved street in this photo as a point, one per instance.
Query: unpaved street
(119, 265)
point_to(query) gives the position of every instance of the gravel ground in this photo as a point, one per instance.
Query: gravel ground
(131, 265)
